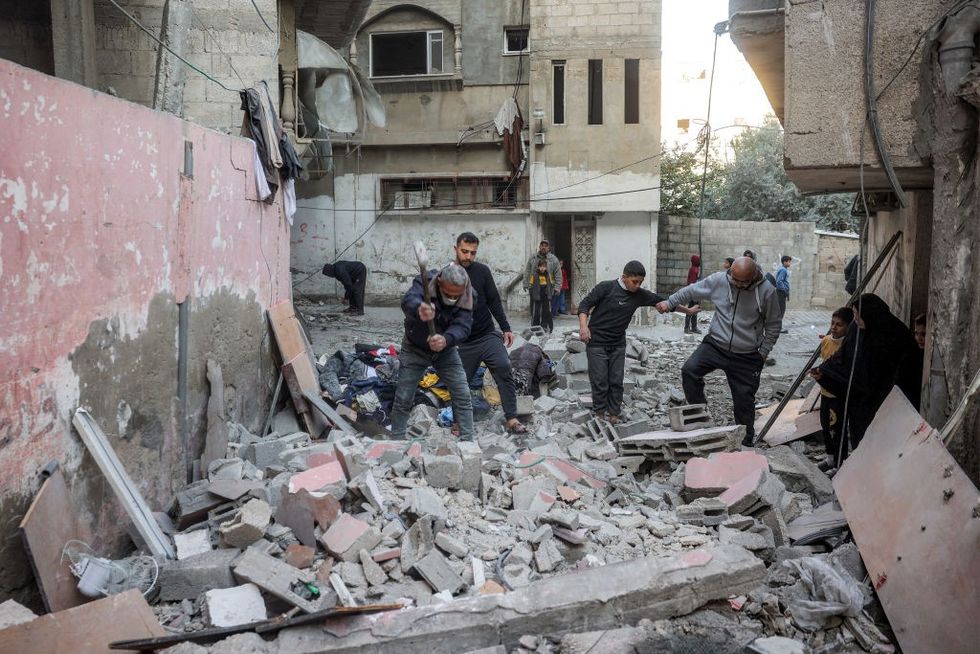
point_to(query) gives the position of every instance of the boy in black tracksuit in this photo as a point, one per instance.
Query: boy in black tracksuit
(613, 304)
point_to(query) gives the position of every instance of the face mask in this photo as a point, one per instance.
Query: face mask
(448, 301)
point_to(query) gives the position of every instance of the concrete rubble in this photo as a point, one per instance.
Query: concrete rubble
(633, 524)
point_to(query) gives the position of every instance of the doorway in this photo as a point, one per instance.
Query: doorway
(572, 239)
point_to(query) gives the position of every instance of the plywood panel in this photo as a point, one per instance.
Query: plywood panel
(51, 522)
(85, 629)
(913, 512)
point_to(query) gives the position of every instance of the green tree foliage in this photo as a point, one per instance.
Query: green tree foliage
(752, 186)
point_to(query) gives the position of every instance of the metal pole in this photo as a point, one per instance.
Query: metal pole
(813, 357)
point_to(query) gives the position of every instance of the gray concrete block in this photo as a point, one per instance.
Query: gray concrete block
(450, 545)
(192, 576)
(276, 577)
(437, 572)
(472, 457)
(444, 471)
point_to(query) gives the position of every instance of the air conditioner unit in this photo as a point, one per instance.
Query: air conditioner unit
(413, 199)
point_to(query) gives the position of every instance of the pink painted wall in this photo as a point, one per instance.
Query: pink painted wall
(96, 221)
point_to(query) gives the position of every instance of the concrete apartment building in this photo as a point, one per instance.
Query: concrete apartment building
(582, 72)
(133, 244)
(810, 58)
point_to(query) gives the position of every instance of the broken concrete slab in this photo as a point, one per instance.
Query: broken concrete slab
(278, 578)
(248, 524)
(558, 468)
(303, 510)
(443, 471)
(188, 578)
(230, 607)
(194, 503)
(596, 598)
(704, 511)
(327, 478)
(680, 446)
(450, 545)
(373, 573)
(719, 472)
(191, 543)
(347, 536)
(424, 501)
(417, 542)
(799, 473)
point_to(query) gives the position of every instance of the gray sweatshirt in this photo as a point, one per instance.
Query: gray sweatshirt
(746, 320)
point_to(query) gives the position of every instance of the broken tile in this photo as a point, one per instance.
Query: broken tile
(299, 556)
(328, 478)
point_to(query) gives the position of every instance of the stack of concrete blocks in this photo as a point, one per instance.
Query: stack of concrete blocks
(691, 435)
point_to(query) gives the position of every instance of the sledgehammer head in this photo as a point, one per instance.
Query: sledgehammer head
(421, 255)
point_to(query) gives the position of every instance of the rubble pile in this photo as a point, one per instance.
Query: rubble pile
(284, 523)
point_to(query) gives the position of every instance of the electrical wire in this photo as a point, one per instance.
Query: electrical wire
(707, 142)
(166, 47)
(872, 105)
(952, 10)
(262, 18)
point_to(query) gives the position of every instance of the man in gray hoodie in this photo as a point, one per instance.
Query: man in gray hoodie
(746, 324)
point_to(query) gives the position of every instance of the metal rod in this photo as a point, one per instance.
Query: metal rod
(882, 256)
(183, 327)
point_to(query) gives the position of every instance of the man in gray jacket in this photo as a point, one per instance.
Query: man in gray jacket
(746, 324)
(554, 266)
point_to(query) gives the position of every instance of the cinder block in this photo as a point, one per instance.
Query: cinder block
(192, 576)
(444, 471)
(248, 525)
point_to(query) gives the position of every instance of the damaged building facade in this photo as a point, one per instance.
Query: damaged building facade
(133, 245)
(579, 73)
(820, 68)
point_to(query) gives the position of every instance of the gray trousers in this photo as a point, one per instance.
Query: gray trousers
(413, 363)
(490, 349)
(607, 365)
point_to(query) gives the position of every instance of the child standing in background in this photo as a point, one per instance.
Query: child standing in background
(541, 288)
(831, 406)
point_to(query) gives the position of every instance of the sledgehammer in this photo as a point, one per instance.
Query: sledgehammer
(423, 258)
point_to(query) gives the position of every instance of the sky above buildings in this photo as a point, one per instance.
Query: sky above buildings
(688, 39)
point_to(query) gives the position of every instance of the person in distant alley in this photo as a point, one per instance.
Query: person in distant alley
(851, 272)
(782, 282)
(451, 311)
(558, 302)
(727, 263)
(541, 290)
(693, 275)
(612, 305)
(486, 344)
(743, 331)
(352, 275)
(554, 266)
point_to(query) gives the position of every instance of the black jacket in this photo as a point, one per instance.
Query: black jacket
(612, 310)
(453, 322)
(487, 305)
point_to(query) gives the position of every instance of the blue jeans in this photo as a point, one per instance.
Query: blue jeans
(413, 364)
(558, 303)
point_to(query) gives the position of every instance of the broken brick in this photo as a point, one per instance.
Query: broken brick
(348, 535)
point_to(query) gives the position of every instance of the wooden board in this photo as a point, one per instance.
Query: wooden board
(299, 366)
(913, 512)
(85, 629)
(785, 424)
(812, 401)
(50, 522)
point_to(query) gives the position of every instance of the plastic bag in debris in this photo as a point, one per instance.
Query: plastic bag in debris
(445, 417)
(830, 593)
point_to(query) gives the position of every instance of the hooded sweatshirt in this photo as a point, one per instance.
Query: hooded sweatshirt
(695, 270)
(745, 320)
(453, 322)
